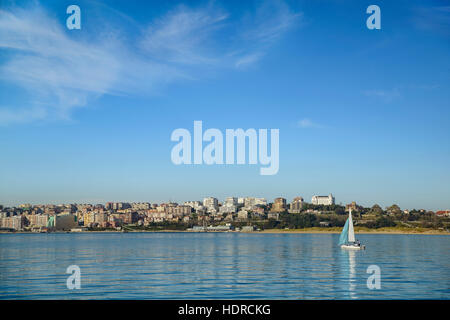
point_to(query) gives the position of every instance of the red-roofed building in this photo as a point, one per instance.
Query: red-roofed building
(443, 213)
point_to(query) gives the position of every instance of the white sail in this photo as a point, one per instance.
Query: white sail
(351, 232)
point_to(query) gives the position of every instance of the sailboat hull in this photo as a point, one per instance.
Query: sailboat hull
(352, 247)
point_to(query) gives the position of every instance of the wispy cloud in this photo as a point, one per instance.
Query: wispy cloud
(306, 123)
(385, 95)
(183, 35)
(436, 19)
(248, 59)
(263, 28)
(22, 115)
(60, 71)
(46, 61)
(271, 20)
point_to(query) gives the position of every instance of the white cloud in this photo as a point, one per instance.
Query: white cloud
(308, 123)
(62, 70)
(45, 58)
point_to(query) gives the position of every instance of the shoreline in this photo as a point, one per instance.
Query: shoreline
(316, 230)
(312, 230)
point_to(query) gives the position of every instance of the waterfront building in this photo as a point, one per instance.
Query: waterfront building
(258, 210)
(14, 222)
(114, 221)
(279, 205)
(296, 205)
(200, 211)
(79, 229)
(248, 228)
(260, 202)
(193, 204)
(117, 205)
(226, 227)
(101, 219)
(140, 206)
(443, 213)
(227, 209)
(212, 210)
(98, 207)
(161, 208)
(211, 204)
(249, 203)
(243, 215)
(179, 210)
(323, 200)
(88, 218)
(38, 220)
(230, 205)
(129, 217)
(273, 215)
(313, 211)
(352, 206)
(50, 209)
(231, 201)
(62, 222)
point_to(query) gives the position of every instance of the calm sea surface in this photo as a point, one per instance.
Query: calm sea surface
(222, 266)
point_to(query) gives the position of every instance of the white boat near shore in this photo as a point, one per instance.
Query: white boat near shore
(347, 239)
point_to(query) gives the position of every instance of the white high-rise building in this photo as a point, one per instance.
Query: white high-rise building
(228, 209)
(251, 202)
(211, 203)
(260, 202)
(229, 205)
(296, 205)
(193, 204)
(231, 201)
(323, 200)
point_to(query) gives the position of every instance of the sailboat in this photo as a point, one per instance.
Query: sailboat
(347, 238)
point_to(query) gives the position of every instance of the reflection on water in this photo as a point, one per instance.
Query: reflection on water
(348, 271)
(222, 266)
(352, 274)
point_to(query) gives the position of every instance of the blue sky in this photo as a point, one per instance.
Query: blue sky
(86, 115)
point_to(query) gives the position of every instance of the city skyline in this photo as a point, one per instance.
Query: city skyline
(327, 198)
(361, 113)
(229, 215)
